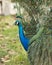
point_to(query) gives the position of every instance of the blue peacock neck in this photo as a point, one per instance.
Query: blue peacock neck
(22, 37)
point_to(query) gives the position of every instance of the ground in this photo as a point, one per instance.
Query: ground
(11, 50)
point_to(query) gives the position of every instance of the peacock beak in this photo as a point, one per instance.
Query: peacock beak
(15, 23)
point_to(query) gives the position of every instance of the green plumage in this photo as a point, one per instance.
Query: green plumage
(40, 47)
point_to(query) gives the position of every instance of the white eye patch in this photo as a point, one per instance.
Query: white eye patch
(17, 23)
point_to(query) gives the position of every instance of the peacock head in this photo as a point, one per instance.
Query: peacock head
(18, 21)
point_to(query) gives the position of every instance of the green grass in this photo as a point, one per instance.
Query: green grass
(10, 46)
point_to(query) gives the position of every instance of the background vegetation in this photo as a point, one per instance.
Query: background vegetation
(11, 51)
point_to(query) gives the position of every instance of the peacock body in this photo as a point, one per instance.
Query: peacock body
(22, 37)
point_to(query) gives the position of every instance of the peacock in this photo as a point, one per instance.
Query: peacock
(24, 40)
(39, 47)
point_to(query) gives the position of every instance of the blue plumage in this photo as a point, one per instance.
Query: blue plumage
(22, 37)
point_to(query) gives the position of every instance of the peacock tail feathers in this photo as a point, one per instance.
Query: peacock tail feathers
(40, 50)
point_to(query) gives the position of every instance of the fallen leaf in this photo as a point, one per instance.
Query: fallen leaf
(5, 59)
